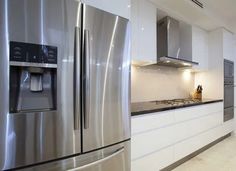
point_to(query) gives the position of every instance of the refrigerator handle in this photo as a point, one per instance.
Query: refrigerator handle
(77, 88)
(118, 152)
(86, 100)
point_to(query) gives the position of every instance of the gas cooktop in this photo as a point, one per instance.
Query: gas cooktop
(177, 102)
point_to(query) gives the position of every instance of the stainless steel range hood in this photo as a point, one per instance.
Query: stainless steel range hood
(171, 44)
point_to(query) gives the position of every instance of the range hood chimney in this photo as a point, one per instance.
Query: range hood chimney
(170, 51)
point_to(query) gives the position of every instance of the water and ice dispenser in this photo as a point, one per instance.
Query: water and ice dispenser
(33, 77)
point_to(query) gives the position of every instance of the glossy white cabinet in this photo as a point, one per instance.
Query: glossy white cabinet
(194, 143)
(117, 7)
(154, 120)
(200, 48)
(228, 45)
(143, 23)
(154, 161)
(159, 139)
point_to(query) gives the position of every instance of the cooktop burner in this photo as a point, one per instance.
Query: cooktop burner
(177, 102)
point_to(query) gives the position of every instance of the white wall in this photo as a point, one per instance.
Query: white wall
(149, 84)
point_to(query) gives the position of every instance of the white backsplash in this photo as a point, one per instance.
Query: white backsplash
(149, 84)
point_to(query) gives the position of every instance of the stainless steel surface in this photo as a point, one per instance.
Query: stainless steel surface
(77, 81)
(28, 64)
(87, 80)
(228, 96)
(109, 72)
(228, 90)
(175, 62)
(114, 158)
(31, 137)
(118, 152)
(228, 69)
(173, 37)
(169, 45)
(228, 113)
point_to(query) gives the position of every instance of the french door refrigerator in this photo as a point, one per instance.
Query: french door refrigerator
(65, 87)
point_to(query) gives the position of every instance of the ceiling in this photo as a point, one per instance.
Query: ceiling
(215, 14)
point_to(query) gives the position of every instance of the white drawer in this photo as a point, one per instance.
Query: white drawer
(149, 142)
(154, 161)
(193, 127)
(193, 144)
(151, 121)
(197, 111)
(156, 139)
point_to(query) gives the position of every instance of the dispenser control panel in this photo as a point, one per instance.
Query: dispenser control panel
(34, 53)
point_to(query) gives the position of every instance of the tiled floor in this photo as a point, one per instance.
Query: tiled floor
(221, 157)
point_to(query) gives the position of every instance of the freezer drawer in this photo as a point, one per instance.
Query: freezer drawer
(114, 158)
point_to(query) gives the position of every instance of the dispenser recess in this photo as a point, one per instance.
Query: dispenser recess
(33, 77)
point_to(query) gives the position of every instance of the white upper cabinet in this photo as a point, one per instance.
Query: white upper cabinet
(228, 45)
(143, 23)
(200, 48)
(117, 7)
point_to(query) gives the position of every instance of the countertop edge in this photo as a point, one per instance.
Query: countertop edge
(173, 108)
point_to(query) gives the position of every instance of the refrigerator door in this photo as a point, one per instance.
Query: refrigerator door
(106, 79)
(37, 136)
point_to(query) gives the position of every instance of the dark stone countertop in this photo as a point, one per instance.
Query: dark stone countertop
(141, 108)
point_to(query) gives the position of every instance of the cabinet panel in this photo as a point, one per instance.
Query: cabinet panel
(228, 45)
(154, 161)
(191, 128)
(197, 111)
(151, 121)
(200, 48)
(149, 142)
(143, 20)
(191, 145)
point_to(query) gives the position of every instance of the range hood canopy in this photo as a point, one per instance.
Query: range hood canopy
(171, 44)
(175, 62)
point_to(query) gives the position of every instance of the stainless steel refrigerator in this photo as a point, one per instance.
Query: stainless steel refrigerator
(65, 87)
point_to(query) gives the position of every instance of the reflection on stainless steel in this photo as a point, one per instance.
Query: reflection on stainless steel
(114, 158)
(77, 87)
(86, 88)
(40, 116)
(109, 120)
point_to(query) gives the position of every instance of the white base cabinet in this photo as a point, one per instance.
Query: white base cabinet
(160, 139)
(154, 161)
